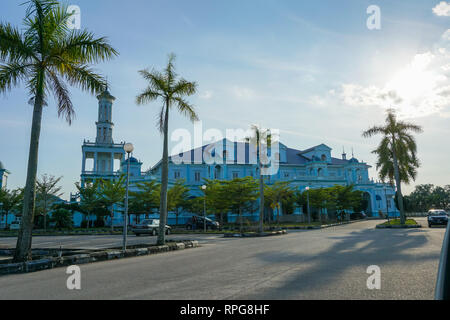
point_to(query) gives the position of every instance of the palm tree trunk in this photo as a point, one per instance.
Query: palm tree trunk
(164, 181)
(399, 188)
(24, 240)
(240, 220)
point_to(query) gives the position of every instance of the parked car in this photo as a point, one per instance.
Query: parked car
(15, 225)
(197, 222)
(437, 217)
(148, 226)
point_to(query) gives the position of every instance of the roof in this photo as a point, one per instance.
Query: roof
(293, 156)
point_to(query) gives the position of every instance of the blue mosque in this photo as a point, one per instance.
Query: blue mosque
(314, 167)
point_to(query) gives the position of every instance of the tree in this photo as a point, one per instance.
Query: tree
(146, 198)
(47, 191)
(242, 192)
(171, 91)
(112, 192)
(217, 199)
(344, 198)
(397, 153)
(260, 138)
(177, 197)
(42, 56)
(89, 199)
(62, 219)
(278, 193)
(10, 201)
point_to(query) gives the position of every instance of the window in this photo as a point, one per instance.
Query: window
(320, 172)
(197, 176)
(324, 157)
(177, 174)
(235, 174)
(286, 175)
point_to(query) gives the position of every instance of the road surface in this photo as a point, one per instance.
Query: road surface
(315, 264)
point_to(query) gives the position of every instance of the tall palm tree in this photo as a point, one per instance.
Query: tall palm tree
(43, 56)
(171, 90)
(259, 138)
(397, 153)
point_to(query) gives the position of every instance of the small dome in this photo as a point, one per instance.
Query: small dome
(2, 167)
(354, 160)
(132, 160)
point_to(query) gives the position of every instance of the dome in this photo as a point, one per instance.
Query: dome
(354, 160)
(132, 160)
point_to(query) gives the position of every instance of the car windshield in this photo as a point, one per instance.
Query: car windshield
(438, 213)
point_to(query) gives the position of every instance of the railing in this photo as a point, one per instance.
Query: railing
(443, 279)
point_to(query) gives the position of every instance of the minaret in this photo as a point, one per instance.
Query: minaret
(104, 151)
(105, 124)
(344, 155)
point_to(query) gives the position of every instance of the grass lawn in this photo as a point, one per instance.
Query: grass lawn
(396, 222)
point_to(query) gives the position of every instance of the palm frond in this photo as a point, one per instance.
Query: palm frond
(61, 93)
(11, 74)
(185, 108)
(13, 46)
(83, 77)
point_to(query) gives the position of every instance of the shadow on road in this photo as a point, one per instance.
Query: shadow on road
(358, 249)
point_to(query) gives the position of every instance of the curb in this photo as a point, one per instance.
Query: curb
(50, 263)
(414, 226)
(256, 235)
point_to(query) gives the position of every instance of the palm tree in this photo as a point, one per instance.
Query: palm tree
(43, 56)
(171, 90)
(259, 138)
(397, 153)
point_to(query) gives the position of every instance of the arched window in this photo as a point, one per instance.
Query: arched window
(324, 157)
(320, 172)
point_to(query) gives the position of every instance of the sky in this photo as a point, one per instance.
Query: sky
(312, 69)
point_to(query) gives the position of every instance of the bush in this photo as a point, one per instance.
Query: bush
(62, 219)
(99, 223)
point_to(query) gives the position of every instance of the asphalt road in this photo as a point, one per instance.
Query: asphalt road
(316, 264)
(102, 241)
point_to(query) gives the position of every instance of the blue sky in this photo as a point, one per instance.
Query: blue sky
(309, 68)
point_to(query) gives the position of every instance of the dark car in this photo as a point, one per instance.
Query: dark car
(197, 223)
(148, 226)
(437, 217)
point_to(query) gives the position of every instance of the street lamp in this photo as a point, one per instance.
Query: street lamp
(204, 208)
(307, 197)
(128, 147)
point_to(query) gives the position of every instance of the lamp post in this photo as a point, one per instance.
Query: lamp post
(204, 208)
(307, 197)
(128, 147)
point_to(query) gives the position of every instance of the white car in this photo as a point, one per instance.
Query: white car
(148, 226)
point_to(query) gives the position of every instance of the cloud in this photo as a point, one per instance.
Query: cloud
(442, 9)
(418, 89)
(243, 93)
(206, 95)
